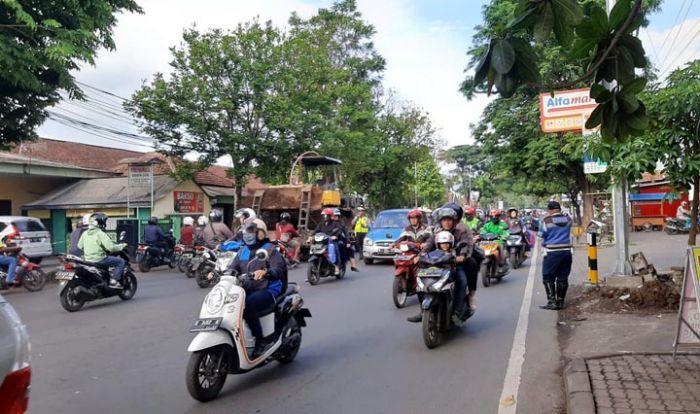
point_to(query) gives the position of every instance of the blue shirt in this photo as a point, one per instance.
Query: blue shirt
(555, 231)
(153, 234)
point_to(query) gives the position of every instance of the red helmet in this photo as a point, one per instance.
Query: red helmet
(495, 213)
(470, 211)
(327, 212)
(415, 214)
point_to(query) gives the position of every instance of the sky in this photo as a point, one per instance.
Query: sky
(424, 43)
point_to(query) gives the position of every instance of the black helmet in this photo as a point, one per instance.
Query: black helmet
(447, 212)
(457, 209)
(153, 220)
(215, 216)
(100, 219)
(286, 217)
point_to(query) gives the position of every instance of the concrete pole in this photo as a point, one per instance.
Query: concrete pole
(620, 219)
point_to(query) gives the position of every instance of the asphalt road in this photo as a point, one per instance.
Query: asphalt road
(358, 354)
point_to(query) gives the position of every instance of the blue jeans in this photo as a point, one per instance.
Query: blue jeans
(460, 278)
(256, 302)
(11, 263)
(117, 263)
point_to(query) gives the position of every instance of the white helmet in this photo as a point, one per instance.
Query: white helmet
(86, 219)
(444, 237)
(188, 221)
(247, 213)
(202, 220)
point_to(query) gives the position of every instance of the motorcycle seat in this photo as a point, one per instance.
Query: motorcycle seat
(291, 288)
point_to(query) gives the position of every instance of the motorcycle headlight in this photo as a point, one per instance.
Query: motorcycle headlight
(318, 238)
(404, 248)
(206, 255)
(419, 284)
(368, 242)
(215, 299)
(437, 286)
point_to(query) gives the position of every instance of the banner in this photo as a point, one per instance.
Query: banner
(688, 330)
(188, 202)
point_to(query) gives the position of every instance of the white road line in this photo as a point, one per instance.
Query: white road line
(508, 404)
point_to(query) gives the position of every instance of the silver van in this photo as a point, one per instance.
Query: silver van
(29, 234)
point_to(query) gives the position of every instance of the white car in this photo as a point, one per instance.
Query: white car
(15, 372)
(29, 234)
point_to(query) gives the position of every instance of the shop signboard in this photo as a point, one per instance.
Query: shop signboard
(140, 175)
(563, 110)
(188, 202)
(688, 329)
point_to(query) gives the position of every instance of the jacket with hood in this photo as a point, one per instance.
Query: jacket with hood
(96, 244)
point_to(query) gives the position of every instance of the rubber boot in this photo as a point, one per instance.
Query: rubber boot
(549, 288)
(562, 287)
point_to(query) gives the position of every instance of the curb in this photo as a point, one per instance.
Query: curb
(579, 395)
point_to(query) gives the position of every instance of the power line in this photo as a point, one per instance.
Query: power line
(675, 21)
(680, 55)
(680, 29)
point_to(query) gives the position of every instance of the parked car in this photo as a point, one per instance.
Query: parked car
(29, 234)
(383, 232)
(15, 372)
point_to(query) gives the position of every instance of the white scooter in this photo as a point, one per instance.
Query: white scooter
(224, 344)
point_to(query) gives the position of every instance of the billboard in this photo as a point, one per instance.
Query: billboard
(188, 202)
(564, 110)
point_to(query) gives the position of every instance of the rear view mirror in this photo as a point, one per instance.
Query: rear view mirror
(261, 254)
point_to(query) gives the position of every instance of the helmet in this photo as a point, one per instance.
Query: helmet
(188, 221)
(286, 217)
(444, 237)
(457, 208)
(327, 212)
(202, 220)
(495, 213)
(415, 213)
(258, 226)
(99, 219)
(86, 219)
(153, 220)
(361, 208)
(246, 213)
(336, 212)
(215, 216)
(446, 212)
(470, 211)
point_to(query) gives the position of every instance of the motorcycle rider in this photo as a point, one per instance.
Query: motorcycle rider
(10, 261)
(683, 215)
(287, 233)
(75, 237)
(202, 221)
(448, 220)
(216, 232)
(555, 232)
(244, 216)
(515, 223)
(96, 244)
(470, 220)
(336, 231)
(187, 231)
(347, 253)
(361, 227)
(415, 230)
(499, 228)
(269, 278)
(153, 235)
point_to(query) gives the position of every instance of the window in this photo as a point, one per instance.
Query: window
(5, 207)
(28, 225)
(392, 220)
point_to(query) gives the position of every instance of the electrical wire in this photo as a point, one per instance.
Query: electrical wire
(680, 29)
(671, 66)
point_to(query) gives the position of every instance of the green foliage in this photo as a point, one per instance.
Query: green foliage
(41, 42)
(431, 186)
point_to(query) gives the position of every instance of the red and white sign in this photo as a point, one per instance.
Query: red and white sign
(140, 175)
(563, 110)
(188, 202)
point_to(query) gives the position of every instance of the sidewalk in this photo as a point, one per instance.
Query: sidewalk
(620, 362)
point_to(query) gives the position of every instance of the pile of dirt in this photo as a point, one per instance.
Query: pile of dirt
(651, 298)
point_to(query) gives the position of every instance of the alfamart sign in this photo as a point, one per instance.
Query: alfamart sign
(563, 110)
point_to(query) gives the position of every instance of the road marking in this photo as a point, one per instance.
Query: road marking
(508, 403)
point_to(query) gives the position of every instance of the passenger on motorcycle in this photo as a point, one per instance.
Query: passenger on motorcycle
(244, 216)
(470, 220)
(683, 215)
(187, 231)
(336, 231)
(202, 222)
(10, 261)
(515, 223)
(286, 233)
(96, 244)
(448, 219)
(269, 278)
(349, 254)
(216, 232)
(153, 235)
(499, 228)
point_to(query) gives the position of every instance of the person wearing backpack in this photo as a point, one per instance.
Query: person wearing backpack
(216, 232)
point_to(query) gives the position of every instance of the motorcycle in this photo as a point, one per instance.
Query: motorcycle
(182, 257)
(81, 281)
(434, 280)
(319, 260)
(285, 250)
(490, 267)
(675, 226)
(224, 344)
(516, 248)
(27, 273)
(225, 253)
(405, 270)
(203, 262)
(149, 256)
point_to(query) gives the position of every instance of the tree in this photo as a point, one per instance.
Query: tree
(430, 184)
(41, 42)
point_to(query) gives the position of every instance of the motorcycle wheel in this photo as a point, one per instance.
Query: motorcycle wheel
(398, 291)
(485, 275)
(313, 274)
(514, 260)
(145, 265)
(206, 373)
(129, 285)
(189, 272)
(69, 300)
(291, 342)
(670, 230)
(182, 264)
(431, 335)
(341, 275)
(172, 262)
(368, 261)
(201, 278)
(35, 280)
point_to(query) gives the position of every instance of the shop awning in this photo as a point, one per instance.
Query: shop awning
(647, 197)
(215, 191)
(103, 193)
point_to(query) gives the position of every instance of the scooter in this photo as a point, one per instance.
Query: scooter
(490, 267)
(515, 248)
(319, 260)
(203, 262)
(148, 256)
(81, 281)
(405, 271)
(434, 280)
(224, 255)
(224, 344)
(27, 273)
(182, 257)
(675, 226)
(286, 252)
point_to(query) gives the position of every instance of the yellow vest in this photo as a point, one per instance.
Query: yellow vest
(361, 225)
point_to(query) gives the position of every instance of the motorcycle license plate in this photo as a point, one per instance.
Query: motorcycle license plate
(64, 275)
(430, 273)
(206, 325)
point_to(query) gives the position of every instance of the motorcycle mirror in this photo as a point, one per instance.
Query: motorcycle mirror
(261, 254)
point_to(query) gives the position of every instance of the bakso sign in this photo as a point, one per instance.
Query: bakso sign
(563, 110)
(188, 202)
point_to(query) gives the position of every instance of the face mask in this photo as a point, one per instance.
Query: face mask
(249, 239)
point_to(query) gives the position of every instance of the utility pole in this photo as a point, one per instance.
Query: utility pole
(620, 219)
(415, 183)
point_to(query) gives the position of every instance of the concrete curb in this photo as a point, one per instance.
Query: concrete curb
(579, 395)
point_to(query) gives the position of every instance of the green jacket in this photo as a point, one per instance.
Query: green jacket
(96, 245)
(500, 229)
(472, 224)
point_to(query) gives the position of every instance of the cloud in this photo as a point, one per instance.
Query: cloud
(671, 49)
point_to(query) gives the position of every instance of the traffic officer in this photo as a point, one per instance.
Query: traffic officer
(555, 232)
